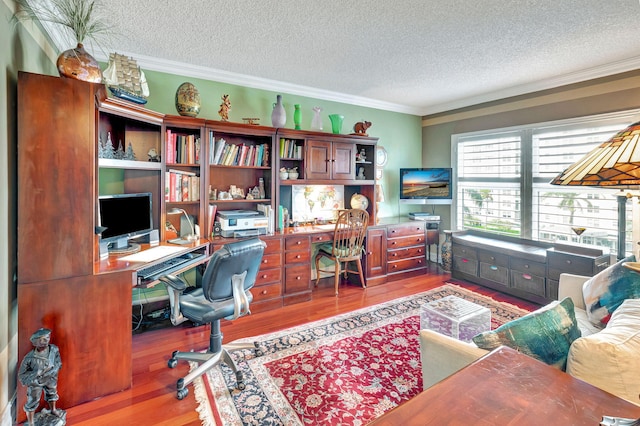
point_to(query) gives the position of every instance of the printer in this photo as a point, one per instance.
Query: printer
(242, 223)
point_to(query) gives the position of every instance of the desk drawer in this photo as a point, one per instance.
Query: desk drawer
(271, 261)
(268, 276)
(405, 230)
(265, 292)
(406, 253)
(274, 245)
(406, 265)
(413, 240)
(321, 238)
(297, 242)
(297, 278)
(296, 257)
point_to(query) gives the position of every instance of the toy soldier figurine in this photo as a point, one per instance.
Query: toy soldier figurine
(39, 372)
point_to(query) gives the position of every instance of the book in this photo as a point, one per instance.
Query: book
(213, 208)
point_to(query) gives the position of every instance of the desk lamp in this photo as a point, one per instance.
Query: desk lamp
(614, 164)
(191, 236)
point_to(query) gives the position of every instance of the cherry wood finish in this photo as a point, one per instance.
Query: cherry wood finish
(151, 400)
(374, 261)
(57, 175)
(506, 388)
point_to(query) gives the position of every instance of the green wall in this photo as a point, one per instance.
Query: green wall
(400, 134)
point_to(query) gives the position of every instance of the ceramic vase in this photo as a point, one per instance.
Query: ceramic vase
(446, 255)
(297, 117)
(336, 123)
(316, 121)
(78, 64)
(279, 115)
(188, 100)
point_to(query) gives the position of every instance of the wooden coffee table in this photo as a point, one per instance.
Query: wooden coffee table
(504, 388)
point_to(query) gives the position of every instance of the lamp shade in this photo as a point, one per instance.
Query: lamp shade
(614, 163)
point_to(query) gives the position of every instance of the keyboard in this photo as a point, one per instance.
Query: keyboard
(153, 272)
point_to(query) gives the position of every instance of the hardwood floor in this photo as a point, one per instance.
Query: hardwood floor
(151, 400)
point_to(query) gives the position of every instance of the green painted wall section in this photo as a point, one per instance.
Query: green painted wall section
(400, 134)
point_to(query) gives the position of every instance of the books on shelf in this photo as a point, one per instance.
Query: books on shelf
(181, 185)
(182, 149)
(225, 154)
(290, 149)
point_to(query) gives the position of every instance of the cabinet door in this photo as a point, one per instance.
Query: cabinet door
(374, 261)
(318, 160)
(343, 161)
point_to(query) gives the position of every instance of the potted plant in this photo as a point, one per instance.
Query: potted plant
(79, 18)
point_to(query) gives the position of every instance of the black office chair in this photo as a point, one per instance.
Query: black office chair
(226, 282)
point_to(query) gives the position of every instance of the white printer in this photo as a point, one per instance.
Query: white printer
(242, 223)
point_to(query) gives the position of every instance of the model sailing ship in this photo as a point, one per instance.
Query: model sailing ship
(125, 79)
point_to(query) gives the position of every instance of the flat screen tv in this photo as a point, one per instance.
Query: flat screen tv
(123, 217)
(426, 186)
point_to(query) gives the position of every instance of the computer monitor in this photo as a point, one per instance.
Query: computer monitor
(123, 217)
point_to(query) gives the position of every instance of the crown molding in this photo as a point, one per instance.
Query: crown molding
(205, 73)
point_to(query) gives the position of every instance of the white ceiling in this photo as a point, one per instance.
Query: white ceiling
(412, 56)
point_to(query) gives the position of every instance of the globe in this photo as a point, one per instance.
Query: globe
(359, 201)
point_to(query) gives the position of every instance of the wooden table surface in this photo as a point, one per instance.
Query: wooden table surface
(509, 388)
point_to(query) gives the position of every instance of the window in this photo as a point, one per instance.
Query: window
(502, 183)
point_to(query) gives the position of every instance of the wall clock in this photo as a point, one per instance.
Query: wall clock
(381, 156)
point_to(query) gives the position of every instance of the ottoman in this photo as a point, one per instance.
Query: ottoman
(455, 317)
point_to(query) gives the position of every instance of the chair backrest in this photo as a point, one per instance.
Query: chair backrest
(232, 259)
(349, 233)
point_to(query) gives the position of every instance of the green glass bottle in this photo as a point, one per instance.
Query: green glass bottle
(297, 117)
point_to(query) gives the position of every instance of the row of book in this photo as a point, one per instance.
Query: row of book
(225, 154)
(182, 149)
(290, 149)
(181, 186)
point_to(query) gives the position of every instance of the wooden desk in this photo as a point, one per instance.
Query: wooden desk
(508, 388)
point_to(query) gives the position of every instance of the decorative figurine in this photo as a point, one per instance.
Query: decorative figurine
(39, 372)
(153, 155)
(225, 107)
(361, 174)
(361, 156)
(360, 128)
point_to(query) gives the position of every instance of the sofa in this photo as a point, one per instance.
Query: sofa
(608, 358)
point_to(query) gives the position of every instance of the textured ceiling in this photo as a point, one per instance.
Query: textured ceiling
(415, 56)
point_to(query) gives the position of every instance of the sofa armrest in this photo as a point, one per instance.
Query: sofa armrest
(570, 285)
(442, 356)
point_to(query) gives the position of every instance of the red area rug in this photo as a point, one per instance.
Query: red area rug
(344, 370)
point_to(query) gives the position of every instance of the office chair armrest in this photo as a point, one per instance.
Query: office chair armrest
(175, 287)
(174, 282)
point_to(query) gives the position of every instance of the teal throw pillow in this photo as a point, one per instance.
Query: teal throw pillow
(545, 334)
(604, 292)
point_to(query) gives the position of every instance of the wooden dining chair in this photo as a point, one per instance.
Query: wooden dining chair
(347, 246)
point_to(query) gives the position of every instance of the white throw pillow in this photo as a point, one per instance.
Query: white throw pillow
(610, 359)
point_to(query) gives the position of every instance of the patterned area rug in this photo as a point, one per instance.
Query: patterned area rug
(344, 370)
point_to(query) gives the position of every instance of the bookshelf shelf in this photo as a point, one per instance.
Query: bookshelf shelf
(128, 164)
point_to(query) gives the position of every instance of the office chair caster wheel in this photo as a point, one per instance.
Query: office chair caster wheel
(240, 381)
(182, 393)
(172, 363)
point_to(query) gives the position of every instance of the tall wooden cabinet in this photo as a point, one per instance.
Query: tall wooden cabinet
(57, 190)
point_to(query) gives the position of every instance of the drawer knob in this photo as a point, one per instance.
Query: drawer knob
(420, 261)
(393, 243)
(493, 258)
(393, 231)
(526, 266)
(263, 292)
(568, 261)
(298, 257)
(298, 277)
(299, 242)
(395, 254)
(264, 276)
(395, 266)
(265, 261)
(419, 250)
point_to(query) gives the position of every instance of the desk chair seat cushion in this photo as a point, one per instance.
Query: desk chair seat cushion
(327, 249)
(194, 306)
